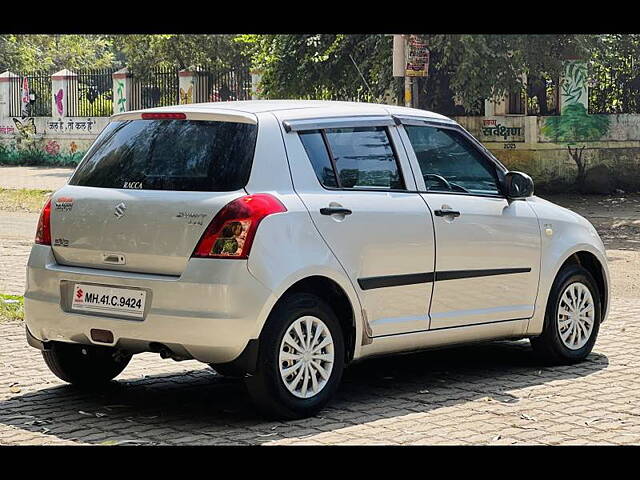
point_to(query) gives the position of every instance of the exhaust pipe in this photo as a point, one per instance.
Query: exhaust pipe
(164, 351)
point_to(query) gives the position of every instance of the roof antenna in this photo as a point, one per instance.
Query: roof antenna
(363, 79)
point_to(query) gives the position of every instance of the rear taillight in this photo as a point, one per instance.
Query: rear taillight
(231, 232)
(43, 232)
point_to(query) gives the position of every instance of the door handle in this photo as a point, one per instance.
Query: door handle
(446, 213)
(335, 211)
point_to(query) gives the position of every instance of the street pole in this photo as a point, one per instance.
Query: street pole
(400, 65)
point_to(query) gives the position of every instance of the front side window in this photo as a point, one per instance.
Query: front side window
(363, 158)
(449, 163)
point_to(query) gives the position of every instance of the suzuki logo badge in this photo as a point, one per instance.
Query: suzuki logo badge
(120, 208)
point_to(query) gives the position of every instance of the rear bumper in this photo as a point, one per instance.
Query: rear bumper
(209, 313)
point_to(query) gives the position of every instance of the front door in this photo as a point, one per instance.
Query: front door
(365, 206)
(487, 248)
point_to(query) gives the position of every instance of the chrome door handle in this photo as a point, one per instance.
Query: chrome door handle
(446, 213)
(335, 211)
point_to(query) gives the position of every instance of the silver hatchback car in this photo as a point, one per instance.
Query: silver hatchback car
(279, 241)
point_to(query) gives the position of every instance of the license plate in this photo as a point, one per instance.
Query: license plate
(109, 300)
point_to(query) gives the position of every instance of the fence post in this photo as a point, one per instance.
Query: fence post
(574, 85)
(256, 88)
(7, 90)
(64, 92)
(122, 90)
(188, 86)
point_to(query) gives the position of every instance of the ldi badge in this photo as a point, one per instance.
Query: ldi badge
(63, 204)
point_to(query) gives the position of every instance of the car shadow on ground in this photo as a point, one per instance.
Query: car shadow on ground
(200, 407)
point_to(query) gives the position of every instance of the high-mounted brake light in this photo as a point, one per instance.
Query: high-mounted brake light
(231, 232)
(43, 231)
(164, 116)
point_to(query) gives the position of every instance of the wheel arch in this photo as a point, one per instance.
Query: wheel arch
(337, 298)
(582, 254)
(592, 264)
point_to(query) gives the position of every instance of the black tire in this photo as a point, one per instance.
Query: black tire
(549, 345)
(84, 365)
(266, 387)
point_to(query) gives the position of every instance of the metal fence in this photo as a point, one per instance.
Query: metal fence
(158, 88)
(614, 86)
(222, 84)
(92, 93)
(33, 97)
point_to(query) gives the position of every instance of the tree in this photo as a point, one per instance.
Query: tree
(54, 52)
(141, 53)
(468, 68)
(575, 125)
(322, 65)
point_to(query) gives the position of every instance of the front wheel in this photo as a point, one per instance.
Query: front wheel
(300, 358)
(85, 365)
(572, 318)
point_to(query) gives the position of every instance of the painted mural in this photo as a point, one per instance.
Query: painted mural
(574, 127)
(47, 141)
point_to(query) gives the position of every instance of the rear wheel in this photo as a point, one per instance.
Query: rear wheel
(572, 319)
(85, 365)
(300, 358)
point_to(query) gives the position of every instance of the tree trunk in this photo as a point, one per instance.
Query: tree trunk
(576, 155)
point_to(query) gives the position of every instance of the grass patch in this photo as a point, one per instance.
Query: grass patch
(11, 307)
(23, 200)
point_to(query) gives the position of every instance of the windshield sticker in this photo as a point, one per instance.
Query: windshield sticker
(137, 185)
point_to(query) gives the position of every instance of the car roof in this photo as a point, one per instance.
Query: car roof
(293, 108)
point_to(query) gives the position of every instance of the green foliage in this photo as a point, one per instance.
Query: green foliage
(54, 52)
(322, 65)
(11, 307)
(30, 153)
(102, 106)
(575, 125)
(23, 199)
(467, 67)
(142, 53)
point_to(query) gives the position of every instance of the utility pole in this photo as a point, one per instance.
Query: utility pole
(400, 65)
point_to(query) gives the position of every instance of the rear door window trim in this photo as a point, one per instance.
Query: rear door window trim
(394, 150)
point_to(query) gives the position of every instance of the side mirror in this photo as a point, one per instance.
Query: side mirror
(518, 185)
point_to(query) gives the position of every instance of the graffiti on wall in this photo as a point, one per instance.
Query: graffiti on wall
(77, 126)
(574, 83)
(491, 128)
(186, 97)
(26, 127)
(122, 101)
(58, 99)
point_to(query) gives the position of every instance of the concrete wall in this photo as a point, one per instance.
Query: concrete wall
(518, 141)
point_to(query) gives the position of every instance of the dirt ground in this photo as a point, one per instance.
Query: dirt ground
(617, 220)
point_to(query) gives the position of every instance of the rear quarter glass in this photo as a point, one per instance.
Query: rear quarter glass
(186, 155)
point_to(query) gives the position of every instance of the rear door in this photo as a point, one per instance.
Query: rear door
(146, 191)
(488, 248)
(359, 190)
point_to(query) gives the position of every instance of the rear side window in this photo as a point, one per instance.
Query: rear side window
(317, 152)
(170, 155)
(362, 156)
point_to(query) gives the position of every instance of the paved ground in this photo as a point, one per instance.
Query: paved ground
(37, 178)
(489, 394)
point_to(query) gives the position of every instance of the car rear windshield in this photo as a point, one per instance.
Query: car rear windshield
(170, 155)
